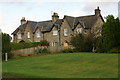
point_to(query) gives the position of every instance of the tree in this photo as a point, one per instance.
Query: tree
(82, 43)
(6, 47)
(110, 34)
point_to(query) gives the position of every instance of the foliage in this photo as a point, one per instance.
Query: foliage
(6, 47)
(82, 43)
(16, 46)
(43, 50)
(115, 50)
(44, 43)
(110, 34)
(68, 50)
(22, 45)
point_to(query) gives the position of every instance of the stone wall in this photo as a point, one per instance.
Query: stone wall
(30, 51)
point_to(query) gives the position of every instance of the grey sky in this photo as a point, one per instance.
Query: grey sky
(12, 12)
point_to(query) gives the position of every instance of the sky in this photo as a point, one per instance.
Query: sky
(12, 11)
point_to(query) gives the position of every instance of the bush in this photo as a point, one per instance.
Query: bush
(44, 43)
(44, 50)
(6, 47)
(16, 46)
(22, 45)
(82, 43)
(68, 50)
(115, 50)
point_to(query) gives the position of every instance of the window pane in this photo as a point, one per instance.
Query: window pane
(38, 34)
(65, 32)
(55, 32)
(19, 36)
(79, 30)
(28, 34)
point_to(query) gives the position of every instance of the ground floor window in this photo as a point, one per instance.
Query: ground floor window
(54, 43)
(66, 44)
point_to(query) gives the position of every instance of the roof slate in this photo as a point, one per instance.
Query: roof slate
(85, 21)
(46, 26)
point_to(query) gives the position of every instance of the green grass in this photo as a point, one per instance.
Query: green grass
(72, 65)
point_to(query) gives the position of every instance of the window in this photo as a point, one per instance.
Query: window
(54, 43)
(28, 34)
(66, 32)
(65, 43)
(55, 32)
(19, 36)
(79, 30)
(38, 34)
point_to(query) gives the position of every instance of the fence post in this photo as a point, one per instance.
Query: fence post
(6, 57)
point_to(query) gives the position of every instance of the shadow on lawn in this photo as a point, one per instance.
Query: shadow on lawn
(14, 75)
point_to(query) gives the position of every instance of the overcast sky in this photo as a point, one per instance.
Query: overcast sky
(11, 12)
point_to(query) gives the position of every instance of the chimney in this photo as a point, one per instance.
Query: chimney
(23, 21)
(97, 11)
(55, 17)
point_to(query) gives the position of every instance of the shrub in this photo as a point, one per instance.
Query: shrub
(22, 45)
(115, 50)
(82, 43)
(44, 43)
(68, 50)
(6, 47)
(43, 50)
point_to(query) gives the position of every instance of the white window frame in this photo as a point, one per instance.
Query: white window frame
(55, 32)
(54, 43)
(79, 30)
(66, 32)
(19, 35)
(38, 34)
(28, 34)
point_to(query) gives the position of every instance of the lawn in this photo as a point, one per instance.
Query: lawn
(63, 65)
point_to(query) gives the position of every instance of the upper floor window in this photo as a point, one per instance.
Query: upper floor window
(79, 30)
(55, 32)
(38, 34)
(19, 36)
(28, 34)
(66, 32)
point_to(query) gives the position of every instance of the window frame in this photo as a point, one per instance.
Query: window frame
(38, 34)
(79, 30)
(28, 34)
(55, 32)
(19, 35)
(66, 32)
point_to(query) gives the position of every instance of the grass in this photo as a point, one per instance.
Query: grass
(72, 65)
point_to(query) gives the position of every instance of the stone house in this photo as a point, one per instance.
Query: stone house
(57, 31)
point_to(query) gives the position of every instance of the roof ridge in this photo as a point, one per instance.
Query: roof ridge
(85, 16)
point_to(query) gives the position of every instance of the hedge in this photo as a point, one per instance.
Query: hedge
(22, 45)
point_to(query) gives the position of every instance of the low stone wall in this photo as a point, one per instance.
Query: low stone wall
(33, 50)
(27, 51)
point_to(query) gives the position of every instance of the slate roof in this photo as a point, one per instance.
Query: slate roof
(84, 21)
(46, 26)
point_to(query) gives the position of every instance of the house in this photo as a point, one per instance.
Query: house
(58, 31)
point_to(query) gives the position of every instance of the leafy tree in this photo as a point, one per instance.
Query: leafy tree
(44, 43)
(82, 43)
(110, 34)
(6, 47)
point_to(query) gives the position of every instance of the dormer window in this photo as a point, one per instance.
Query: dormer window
(38, 34)
(55, 32)
(19, 35)
(66, 32)
(28, 34)
(79, 30)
